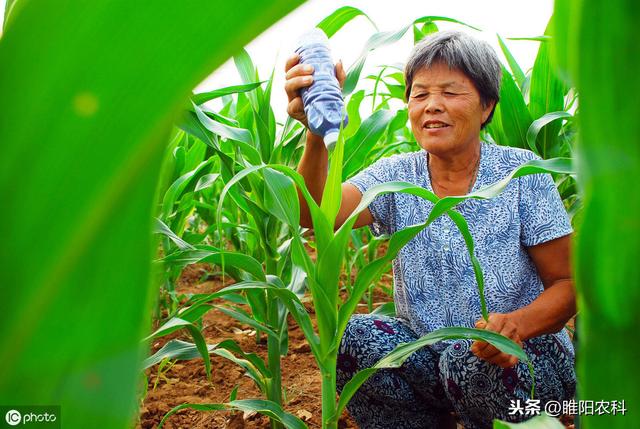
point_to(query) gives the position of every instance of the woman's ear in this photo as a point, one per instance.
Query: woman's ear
(486, 110)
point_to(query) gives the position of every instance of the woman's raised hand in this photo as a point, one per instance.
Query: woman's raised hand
(300, 76)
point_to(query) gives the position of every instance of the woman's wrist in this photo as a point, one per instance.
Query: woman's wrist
(314, 140)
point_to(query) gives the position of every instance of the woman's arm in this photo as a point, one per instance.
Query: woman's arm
(557, 303)
(314, 162)
(547, 314)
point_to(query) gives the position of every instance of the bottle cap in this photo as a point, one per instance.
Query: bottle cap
(330, 139)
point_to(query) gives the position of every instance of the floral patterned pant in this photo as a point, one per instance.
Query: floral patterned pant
(432, 384)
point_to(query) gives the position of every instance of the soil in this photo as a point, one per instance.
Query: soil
(186, 381)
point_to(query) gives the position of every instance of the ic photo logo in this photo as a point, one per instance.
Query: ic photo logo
(30, 416)
(13, 417)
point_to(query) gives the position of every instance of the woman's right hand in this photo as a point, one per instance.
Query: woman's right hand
(301, 76)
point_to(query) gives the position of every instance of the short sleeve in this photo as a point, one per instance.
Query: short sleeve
(542, 213)
(381, 207)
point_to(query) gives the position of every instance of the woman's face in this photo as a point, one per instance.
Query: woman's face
(445, 110)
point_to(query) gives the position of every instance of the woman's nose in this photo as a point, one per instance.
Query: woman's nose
(434, 104)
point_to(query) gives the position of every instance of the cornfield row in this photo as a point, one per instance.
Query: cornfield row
(80, 173)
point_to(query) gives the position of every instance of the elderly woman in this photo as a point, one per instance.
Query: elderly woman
(522, 241)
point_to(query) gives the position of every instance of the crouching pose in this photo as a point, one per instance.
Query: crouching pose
(522, 240)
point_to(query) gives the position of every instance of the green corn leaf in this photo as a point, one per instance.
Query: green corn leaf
(183, 184)
(220, 118)
(175, 349)
(341, 16)
(212, 255)
(332, 192)
(203, 97)
(162, 228)
(194, 155)
(353, 111)
(417, 34)
(517, 72)
(462, 225)
(234, 393)
(251, 370)
(543, 38)
(248, 74)
(495, 128)
(387, 309)
(223, 130)
(262, 406)
(377, 80)
(176, 323)
(400, 238)
(435, 18)
(398, 355)
(375, 41)
(358, 147)
(242, 318)
(543, 421)
(514, 115)
(322, 228)
(372, 271)
(206, 181)
(429, 27)
(547, 93)
(9, 11)
(281, 197)
(399, 122)
(193, 313)
(538, 124)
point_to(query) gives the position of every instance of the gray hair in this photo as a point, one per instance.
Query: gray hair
(475, 58)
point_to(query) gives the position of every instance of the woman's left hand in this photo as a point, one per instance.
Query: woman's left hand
(506, 324)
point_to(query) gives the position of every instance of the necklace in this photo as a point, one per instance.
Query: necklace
(473, 173)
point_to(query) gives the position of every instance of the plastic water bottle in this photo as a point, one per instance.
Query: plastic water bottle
(323, 102)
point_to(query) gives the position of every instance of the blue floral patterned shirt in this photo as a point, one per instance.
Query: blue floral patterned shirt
(434, 282)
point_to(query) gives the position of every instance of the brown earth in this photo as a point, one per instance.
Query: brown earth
(186, 381)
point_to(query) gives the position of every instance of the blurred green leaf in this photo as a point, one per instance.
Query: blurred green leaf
(605, 69)
(110, 78)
